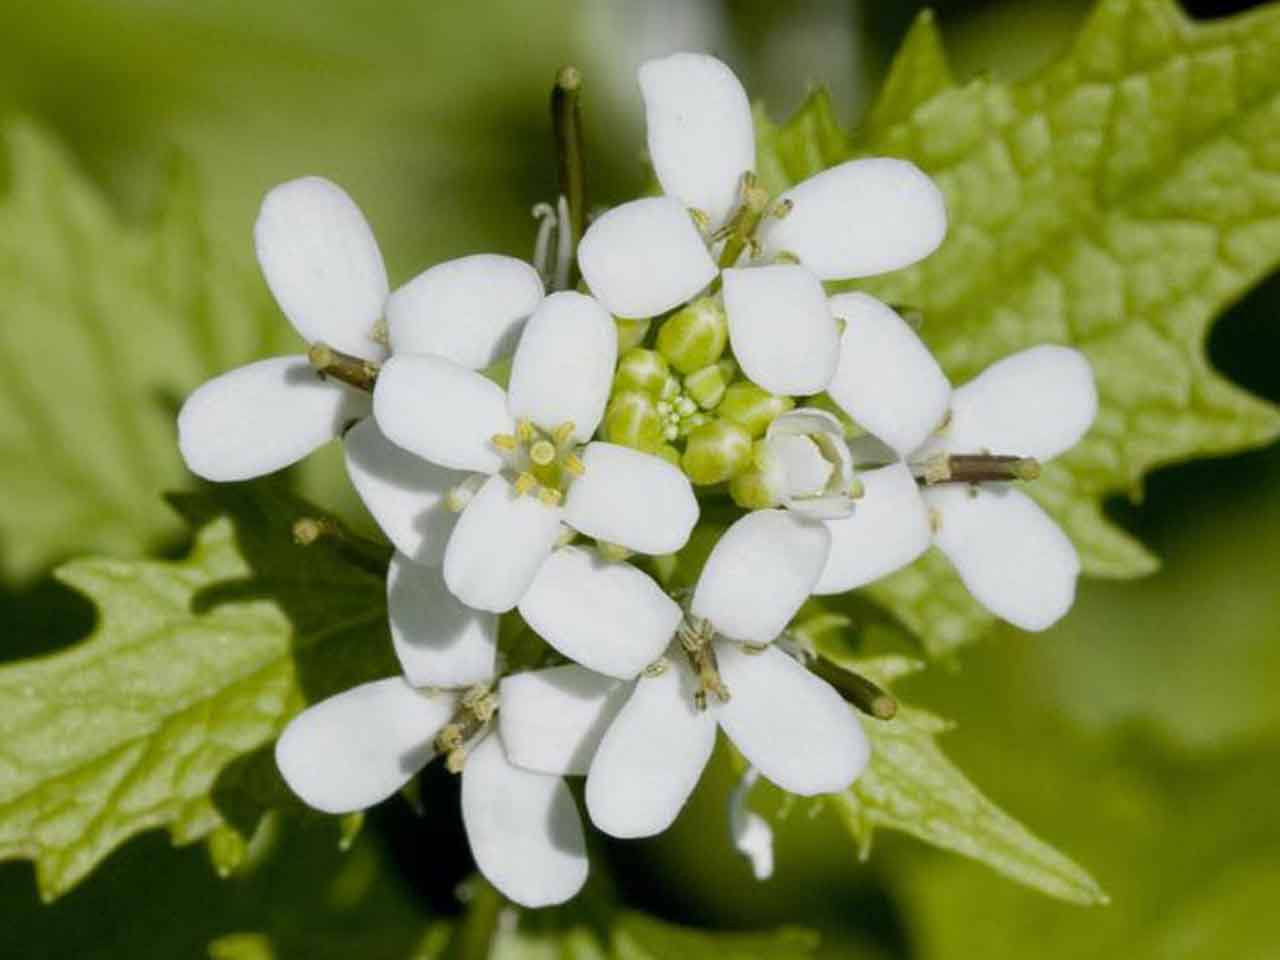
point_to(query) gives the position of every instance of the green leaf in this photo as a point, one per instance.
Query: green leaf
(107, 326)
(1118, 201)
(194, 664)
(912, 787)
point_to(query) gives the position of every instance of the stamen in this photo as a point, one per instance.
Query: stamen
(524, 483)
(504, 442)
(612, 551)
(574, 465)
(563, 434)
(549, 497)
(526, 433)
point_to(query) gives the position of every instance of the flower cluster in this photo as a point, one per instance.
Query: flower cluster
(544, 456)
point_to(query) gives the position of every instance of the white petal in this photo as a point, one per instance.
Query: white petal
(645, 257)
(498, 545)
(807, 471)
(888, 528)
(861, 218)
(701, 137)
(523, 828)
(359, 747)
(609, 617)
(404, 493)
(563, 368)
(759, 573)
(322, 264)
(553, 720)
(781, 329)
(887, 380)
(442, 412)
(440, 642)
(1010, 554)
(1036, 403)
(262, 417)
(651, 757)
(751, 834)
(792, 726)
(631, 498)
(467, 310)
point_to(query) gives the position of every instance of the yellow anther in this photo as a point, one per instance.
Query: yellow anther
(524, 483)
(542, 453)
(563, 433)
(526, 432)
(574, 465)
(504, 442)
(456, 501)
(856, 489)
(550, 497)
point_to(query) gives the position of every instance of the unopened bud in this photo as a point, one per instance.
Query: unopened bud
(631, 333)
(643, 370)
(706, 386)
(695, 336)
(632, 420)
(752, 407)
(716, 451)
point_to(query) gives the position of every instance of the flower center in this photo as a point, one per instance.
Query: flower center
(543, 463)
(697, 637)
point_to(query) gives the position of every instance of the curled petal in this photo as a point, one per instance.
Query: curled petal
(701, 136)
(789, 724)
(781, 328)
(631, 498)
(645, 257)
(404, 493)
(523, 828)
(751, 834)
(563, 368)
(439, 641)
(759, 573)
(262, 417)
(499, 543)
(861, 218)
(467, 310)
(651, 757)
(609, 617)
(888, 528)
(322, 264)
(1036, 403)
(442, 412)
(361, 746)
(1010, 554)
(552, 720)
(887, 380)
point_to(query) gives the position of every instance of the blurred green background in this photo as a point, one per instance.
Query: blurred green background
(1142, 736)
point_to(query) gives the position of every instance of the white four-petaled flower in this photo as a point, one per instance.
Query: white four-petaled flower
(1037, 403)
(527, 453)
(360, 746)
(856, 219)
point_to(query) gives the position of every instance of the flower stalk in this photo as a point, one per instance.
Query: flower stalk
(566, 122)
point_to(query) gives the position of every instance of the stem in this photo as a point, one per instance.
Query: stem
(857, 689)
(742, 225)
(351, 370)
(566, 122)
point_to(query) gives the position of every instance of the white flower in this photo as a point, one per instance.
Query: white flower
(359, 747)
(1034, 404)
(645, 743)
(522, 448)
(803, 463)
(323, 266)
(856, 219)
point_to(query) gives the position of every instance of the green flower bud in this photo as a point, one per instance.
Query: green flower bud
(632, 420)
(706, 386)
(669, 453)
(751, 491)
(695, 336)
(631, 333)
(716, 451)
(752, 407)
(643, 370)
